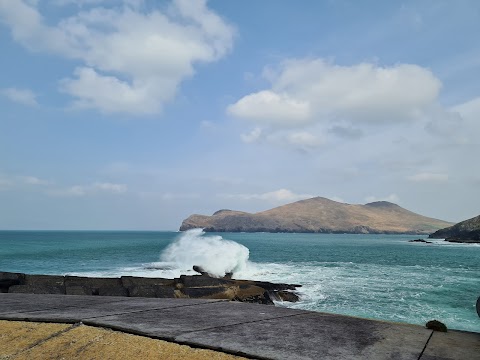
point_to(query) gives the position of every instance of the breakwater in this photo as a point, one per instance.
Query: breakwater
(202, 286)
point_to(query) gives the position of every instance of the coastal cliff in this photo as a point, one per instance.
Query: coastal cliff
(319, 215)
(467, 231)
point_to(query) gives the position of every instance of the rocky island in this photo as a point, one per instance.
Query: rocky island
(467, 231)
(320, 215)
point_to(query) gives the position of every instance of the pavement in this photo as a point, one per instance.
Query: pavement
(248, 330)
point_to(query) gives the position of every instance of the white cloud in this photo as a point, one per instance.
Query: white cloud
(22, 96)
(428, 177)
(315, 90)
(304, 140)
(132, 61)
(391, 198)
(252, 136)
(33, 180)
(10, 181)
(271, 108)
(205, 124)
(110, 187)
(83, 190)
(469, 109)
(282, 195)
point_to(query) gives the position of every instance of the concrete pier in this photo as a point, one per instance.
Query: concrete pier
(249, 330)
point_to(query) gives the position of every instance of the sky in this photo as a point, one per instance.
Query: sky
(135, 114)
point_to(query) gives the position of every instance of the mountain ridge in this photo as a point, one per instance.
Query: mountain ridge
(319, 215)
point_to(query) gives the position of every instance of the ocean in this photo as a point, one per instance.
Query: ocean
(373, 276)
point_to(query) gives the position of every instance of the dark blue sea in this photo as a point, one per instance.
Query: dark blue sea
(373, 276)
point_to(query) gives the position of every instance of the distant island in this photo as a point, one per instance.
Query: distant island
(467, 231)
(320, 215)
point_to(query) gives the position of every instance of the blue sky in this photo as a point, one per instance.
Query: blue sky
(135, 114)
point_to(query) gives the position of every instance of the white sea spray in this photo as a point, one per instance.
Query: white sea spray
(214, 254)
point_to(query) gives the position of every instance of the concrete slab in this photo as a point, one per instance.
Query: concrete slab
(11, 302)
(72, 313)
(453, 345)
(252, 330)
(168, 323)
(315, 336)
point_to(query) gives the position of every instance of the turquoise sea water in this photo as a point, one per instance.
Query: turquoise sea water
(374, 276)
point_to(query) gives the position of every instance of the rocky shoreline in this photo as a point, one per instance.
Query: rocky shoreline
(467, 231)
(201, 286)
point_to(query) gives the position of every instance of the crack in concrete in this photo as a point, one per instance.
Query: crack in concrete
(425, 347)
(240, 323)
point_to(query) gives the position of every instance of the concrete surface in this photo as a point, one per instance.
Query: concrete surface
(453, 345)
(251, 330)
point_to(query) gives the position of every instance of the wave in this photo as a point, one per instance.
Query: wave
(214, 254)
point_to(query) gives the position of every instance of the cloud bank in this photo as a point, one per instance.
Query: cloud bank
(305, 91)
(130, 61)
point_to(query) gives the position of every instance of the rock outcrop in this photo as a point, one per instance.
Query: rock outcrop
(319, 215)
(420, 241)
(192, 286)
(467, 231)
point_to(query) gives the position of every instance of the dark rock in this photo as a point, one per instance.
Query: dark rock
(8, 279)
(112, 291)
(467, 231)
(436, 326)
(37, 289)
(472, 239)
(196, 286)
(77, 290)
(214, 292)
(148, 287)
(155, 291)
(40, 284)
(44, 280)
(263, 298)
(129, 281)
(271, 286)
(287, 296)
(253, 293)
(200, 270)
(228, 276)
(94, 286)
(202, 280)
(92, 282)
(421, 241)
